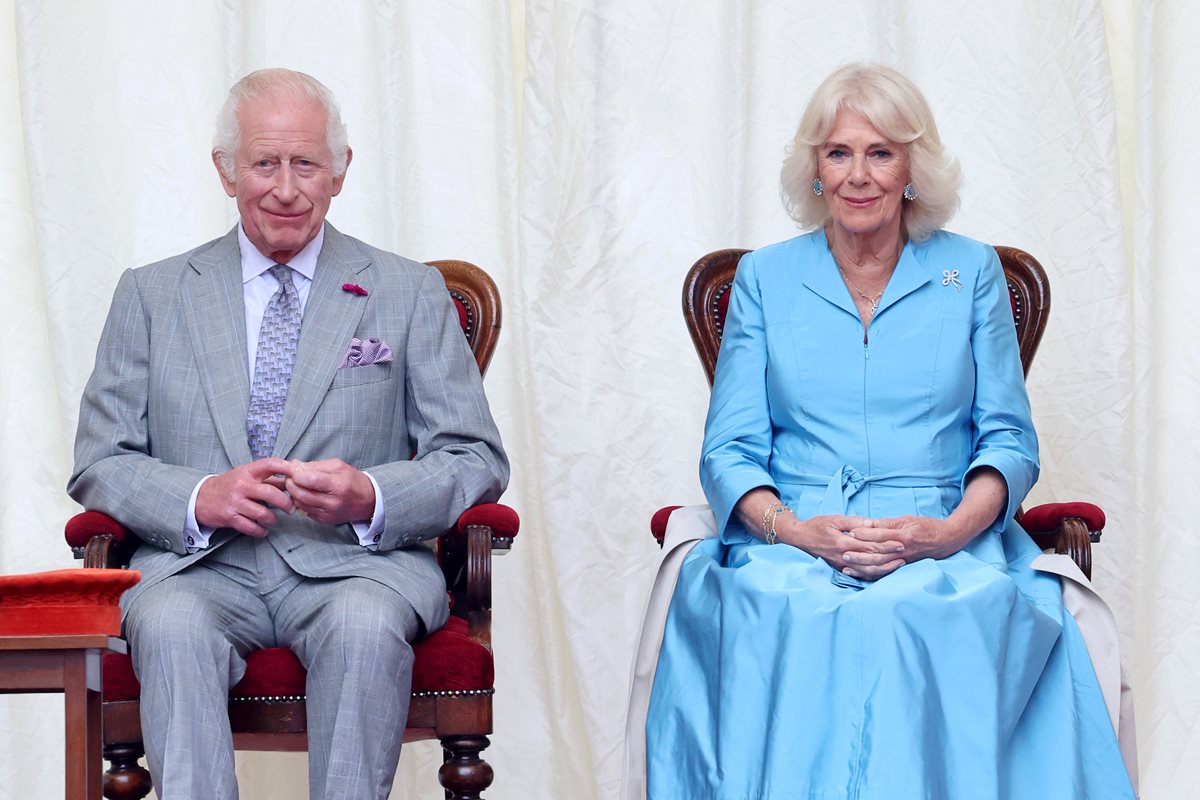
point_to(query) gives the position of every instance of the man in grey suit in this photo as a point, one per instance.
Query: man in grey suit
(283, 415)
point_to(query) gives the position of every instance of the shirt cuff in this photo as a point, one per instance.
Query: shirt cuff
(370, 532)
(195, 535)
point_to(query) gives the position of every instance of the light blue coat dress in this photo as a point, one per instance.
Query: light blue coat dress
(954, 679)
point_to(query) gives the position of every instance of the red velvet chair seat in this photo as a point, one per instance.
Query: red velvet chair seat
(446, 661)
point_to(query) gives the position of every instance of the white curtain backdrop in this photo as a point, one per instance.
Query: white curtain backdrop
(586, 152)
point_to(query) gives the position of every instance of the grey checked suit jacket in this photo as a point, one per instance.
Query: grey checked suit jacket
(166, 405)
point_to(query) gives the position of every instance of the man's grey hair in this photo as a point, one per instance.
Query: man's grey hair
(278, 83)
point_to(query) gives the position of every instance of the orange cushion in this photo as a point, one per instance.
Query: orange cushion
(64, 601)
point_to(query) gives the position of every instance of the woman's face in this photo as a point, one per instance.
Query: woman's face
(863, 176)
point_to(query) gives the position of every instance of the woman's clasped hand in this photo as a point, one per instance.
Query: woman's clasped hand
(869, 549)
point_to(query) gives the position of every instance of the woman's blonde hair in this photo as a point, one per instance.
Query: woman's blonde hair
(897, 109)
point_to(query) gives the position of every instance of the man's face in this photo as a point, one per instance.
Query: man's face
(282, 173)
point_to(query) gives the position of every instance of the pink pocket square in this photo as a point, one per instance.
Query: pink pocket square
(364, 352)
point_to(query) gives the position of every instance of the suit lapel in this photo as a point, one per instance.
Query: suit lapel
(331, 316)
(908, 276)
(214, 308)
(826, 280)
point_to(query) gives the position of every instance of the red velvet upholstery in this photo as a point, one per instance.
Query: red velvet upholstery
(87, 524)
(270, 672)
(1045, 518)
(502, 519)
(658, 523)
(119, 681)
(723, 307)
(461, 308)
(447, 660)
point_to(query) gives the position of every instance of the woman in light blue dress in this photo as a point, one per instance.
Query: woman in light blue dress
(867, 624)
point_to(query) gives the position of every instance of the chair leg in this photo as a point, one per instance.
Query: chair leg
(464, 775)
(126, 779)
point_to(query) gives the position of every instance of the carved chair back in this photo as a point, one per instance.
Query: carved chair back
(478, 302)
(706, 301)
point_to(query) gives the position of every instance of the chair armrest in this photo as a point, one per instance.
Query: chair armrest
(503, 522)
(658, 523)
(1049, 516)
(465, 553)
(1069, 528)
(99, 540)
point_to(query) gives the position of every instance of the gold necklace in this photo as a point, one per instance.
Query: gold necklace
(874, 301)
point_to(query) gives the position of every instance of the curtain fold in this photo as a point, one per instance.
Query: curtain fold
(586, 153)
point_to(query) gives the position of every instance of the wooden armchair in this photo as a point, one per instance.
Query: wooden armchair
(453, 676)
(1067, 527)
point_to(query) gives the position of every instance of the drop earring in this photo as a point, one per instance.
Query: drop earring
(818, 187)
(909, 192)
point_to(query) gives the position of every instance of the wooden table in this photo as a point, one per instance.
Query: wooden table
(69, 664)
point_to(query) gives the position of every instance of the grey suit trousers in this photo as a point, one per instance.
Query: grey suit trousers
(189, 637)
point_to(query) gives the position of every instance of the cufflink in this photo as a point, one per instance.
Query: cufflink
(191, 541)
(376, 538)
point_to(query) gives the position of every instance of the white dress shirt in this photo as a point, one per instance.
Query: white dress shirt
(258, 287)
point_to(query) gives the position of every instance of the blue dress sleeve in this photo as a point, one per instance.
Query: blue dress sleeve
(737, 434)
(1000, 416)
